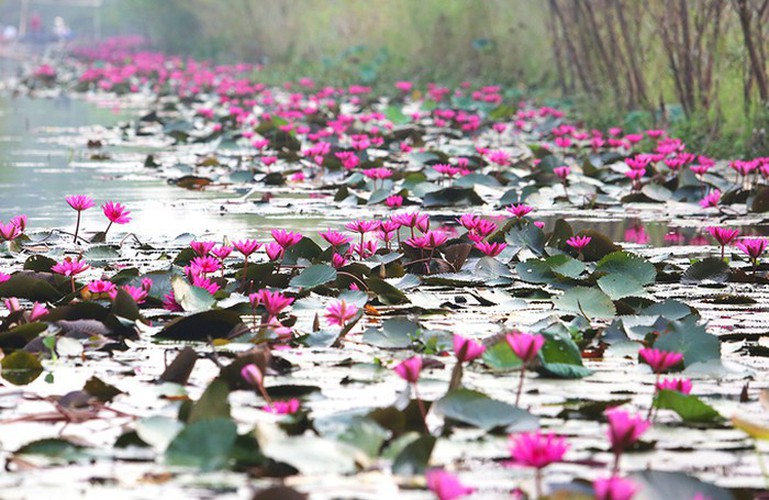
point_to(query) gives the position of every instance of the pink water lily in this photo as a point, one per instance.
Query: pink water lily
(526, 347)
(520, 210)
(624, 431)
(340, 313)
(579, 242)
(614, 488)
(286, 238)
(538, 450)
(79, 202)
(723, 235)
(682, 385)
(410, 369)
(116, 213)
(445, 486)
(659, 360)
(202, 248)
(466, 349)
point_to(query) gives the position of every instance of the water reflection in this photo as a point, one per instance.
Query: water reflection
(43, 157)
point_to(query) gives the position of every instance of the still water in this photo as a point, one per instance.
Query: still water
(44, 157)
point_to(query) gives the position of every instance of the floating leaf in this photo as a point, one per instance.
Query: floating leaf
(314, 276)
(216, 324)
(655, 485)
(29, 286)
(396, 333)
(21, 368)
(478, 410)
(710, 269)
(586, 301)
(191, 298)
(413, 460)
(213, 404)
(628, 264)
(690, 408)
(387, 293)
(619, 286)
(452, 197)
(205, 444)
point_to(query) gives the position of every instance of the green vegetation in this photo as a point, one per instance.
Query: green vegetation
(610, 61)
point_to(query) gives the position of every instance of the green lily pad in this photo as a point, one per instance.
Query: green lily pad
(690, 408)
(205, 444)
(478, 410)
(314, 276)
(586, 301)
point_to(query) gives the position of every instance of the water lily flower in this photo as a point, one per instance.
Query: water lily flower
(340, 312)
(410, 369)
(335, 238)
(338, 260)
(221, 252)
(205, 265)
(562, 172)
(711, 199)
(116, 213)
(520, 210)
(38, 311)
(682, 385)
(170, 304)
(490, 249)
(202, 248)
(69, 267)
(138, 294)
(246, 247)
(19, 221)
(624, 430)
(283, 407)
(394, 201)
(538, 450)
(4, 277)
(9, 232)
(723, 235)
(286, 238)
(79, 202)
(362, 226)
(101, 287)
(614, 488)
(466, 349)
(274, 250)
(525, 346)
(753, 248)
(205, 283)
(445, 486)
(579, 242)
(659, 360)
(273, 302)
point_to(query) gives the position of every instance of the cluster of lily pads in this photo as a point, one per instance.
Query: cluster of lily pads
(454, 196)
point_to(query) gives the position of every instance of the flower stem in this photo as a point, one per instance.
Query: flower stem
(77, 227)
(538, 484)
(654, 395)
(520, 385)
(421, 405)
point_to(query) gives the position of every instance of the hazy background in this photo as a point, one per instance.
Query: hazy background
(696, 66)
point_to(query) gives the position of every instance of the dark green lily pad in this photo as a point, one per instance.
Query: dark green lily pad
(21, 368)
(710, 269)
(215, 324)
